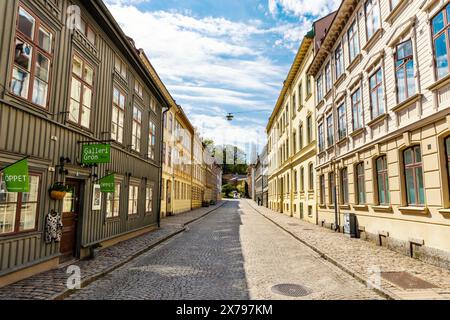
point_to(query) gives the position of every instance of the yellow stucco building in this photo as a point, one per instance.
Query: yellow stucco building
(291, 141)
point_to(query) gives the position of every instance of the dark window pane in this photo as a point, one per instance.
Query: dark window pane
(26, 23)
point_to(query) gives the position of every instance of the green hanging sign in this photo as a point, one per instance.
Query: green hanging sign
(96, 153)
(16, 177)
(107, 184)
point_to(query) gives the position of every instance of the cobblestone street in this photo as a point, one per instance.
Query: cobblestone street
(233, 253)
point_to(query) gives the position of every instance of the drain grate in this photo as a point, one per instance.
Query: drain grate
(406, 280)
(291, 290)
(307, 229)
(293, 224)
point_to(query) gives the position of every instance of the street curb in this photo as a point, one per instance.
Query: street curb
(383, 292)
(86, 282)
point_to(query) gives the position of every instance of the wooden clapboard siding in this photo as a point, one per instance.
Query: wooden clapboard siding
(28, 130)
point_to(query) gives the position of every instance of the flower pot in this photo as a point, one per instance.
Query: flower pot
(57, 195)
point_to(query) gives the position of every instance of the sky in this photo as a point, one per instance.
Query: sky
(221, 56)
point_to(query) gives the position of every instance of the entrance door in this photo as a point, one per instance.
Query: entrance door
(71, 209)
(169, 198)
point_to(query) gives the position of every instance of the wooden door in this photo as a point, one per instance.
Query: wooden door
(71, 207)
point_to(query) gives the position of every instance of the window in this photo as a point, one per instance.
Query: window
(294, 105)
(353, 41)
(357, 110)
(441, 26)
(372, 17)
(447, 148)
(309, 126)
(294, 178)
(311, 176)
(294, 142)
(300, 136)
(310, 211)
(138, 88)
(382, 181)
(169, 154)
(113, 202)
(322, 189)
(137, 129)
(151, 140)
(32, 59)
(19, 211)
(321, 138)
(87, 31)
(170, 123)
(404, 71)
(120, 67)
(328, 79)
(360, 180)
(415, 192)
(330, 131)
(319, 89)
(376, 94)
(149, 200)
(339, 60)
(344, 186)
(342, 122)
(153, 104)
(164, 153)
(118, 112)
(300, 95)
(308, 87)
(133, 200)
(81, 92)
(332, 185)
(302, 179)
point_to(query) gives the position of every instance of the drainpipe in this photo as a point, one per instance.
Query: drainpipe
(158, 218)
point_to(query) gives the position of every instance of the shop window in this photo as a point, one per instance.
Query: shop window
(113, 202)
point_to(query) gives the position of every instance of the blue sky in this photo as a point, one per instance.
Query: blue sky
(220, 56)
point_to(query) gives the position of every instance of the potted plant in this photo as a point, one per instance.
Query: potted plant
(58, 191)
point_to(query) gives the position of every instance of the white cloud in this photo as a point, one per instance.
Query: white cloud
(301, 8)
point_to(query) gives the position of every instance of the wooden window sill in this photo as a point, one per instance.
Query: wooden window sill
(356, 60)
(414, 210)
(342, 141)
(344, 206)
(320, 104)
(339, 80)
(360, 206)
(328, 94)
(357, 132)
(308, 96)
(377, 120)
(330, 149)
(382, 208)
(445, 211)
(440, 83)
(407, 103)
(373, 40)
(322, 206)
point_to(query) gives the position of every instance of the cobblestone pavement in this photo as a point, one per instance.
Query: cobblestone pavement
(233, 253)
(364, 259)
(52, 284)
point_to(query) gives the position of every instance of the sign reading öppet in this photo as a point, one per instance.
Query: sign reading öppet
(16, 177)
(96, 153)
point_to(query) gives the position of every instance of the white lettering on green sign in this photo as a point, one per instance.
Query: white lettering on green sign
(96, 153)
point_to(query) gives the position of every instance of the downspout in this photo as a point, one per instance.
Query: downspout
(158, 219)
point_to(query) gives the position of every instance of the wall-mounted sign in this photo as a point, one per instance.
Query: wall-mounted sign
(96, 153)
(16, 177)
(96, 198)
(107, 184)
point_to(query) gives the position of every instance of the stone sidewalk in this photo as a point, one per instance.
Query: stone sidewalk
(51, 285)
(364, 260)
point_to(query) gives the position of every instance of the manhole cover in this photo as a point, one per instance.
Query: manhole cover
(291, 290)
(406, 280)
